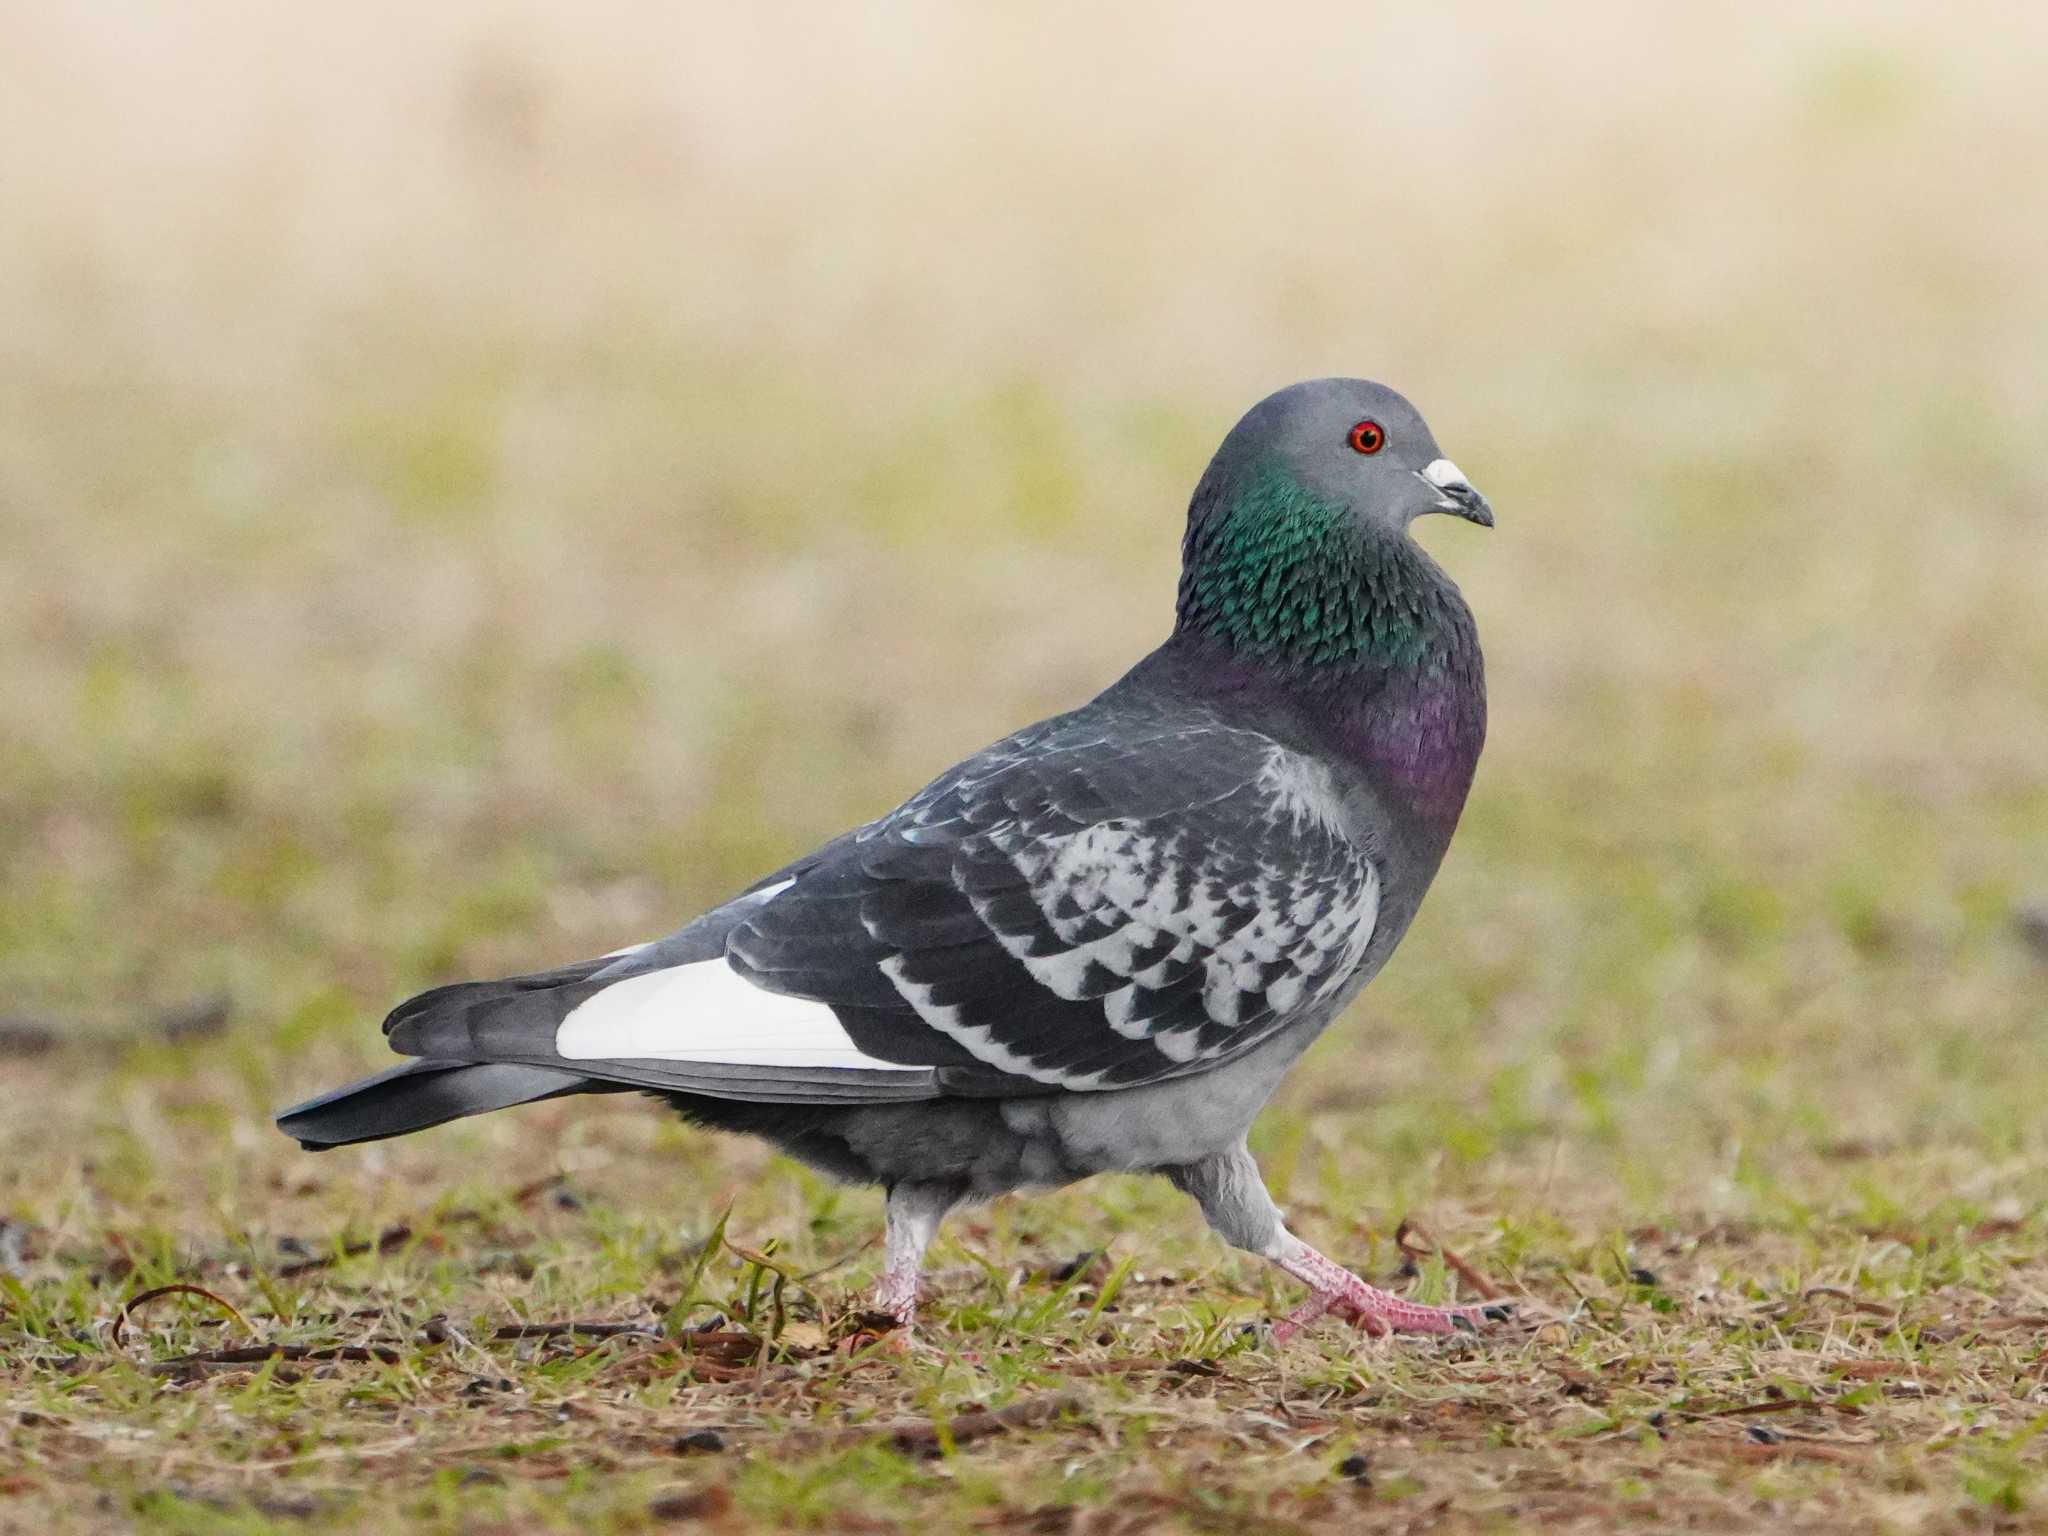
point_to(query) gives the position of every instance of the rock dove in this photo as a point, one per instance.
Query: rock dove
(1101, 942)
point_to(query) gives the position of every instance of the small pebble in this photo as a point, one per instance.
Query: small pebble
(1356, 1467)
(699, 1442)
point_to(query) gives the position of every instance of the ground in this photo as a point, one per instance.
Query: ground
(471, 503)
(1808, 1329)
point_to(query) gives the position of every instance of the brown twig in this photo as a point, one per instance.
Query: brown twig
(1838, 1293)
(1423, 1244)
(176, 1288)
(1774, 1405)
(590, 1331)
(257, 1354)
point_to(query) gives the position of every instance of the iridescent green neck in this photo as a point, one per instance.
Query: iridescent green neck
(1279, 575)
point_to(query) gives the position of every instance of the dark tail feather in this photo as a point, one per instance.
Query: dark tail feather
(491, 1020)
(417, 1094)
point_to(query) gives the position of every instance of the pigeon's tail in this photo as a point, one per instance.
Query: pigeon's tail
(417, 1094)
(493, 1020)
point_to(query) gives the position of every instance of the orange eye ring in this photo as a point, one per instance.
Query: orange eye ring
(1367, 437)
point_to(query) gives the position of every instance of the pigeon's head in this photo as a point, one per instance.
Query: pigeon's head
(1297, 548)
(1348, 443)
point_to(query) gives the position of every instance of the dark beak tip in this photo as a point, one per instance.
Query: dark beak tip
(1462, 501)
(1455, 494)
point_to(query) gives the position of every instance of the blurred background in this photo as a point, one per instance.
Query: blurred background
(479, 482)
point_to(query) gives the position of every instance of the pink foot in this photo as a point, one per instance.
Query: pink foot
(1335, 1289)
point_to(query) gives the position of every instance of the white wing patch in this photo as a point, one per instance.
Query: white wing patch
(708, 1012)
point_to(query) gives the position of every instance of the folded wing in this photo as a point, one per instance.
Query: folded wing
(1092, 904)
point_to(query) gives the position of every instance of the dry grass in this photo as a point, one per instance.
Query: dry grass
(476, 487)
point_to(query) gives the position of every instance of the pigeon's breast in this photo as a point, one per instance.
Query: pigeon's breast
(1416, 739)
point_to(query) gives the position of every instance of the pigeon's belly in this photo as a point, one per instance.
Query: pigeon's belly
(990, 1147)
(1164, 1124)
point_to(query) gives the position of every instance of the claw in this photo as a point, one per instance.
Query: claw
(1462, 1323)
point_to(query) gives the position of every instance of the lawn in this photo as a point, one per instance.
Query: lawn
(471, 504)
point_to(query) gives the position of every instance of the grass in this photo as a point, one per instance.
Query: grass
(481, 511)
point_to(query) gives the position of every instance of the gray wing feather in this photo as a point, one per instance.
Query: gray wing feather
(1080, 909)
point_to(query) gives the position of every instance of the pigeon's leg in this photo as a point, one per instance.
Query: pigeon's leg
(914, 1212)
(1234, 1198)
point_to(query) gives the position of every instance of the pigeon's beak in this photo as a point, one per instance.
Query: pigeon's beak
(1455, 494)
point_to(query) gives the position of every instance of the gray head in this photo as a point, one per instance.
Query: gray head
(1355, 444)
(1297, 546)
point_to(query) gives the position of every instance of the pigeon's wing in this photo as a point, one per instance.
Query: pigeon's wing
(1103, 900)
(1079, 908)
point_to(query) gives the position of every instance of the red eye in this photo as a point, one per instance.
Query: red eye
(1368, 437)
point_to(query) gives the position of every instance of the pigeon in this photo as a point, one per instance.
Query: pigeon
(1100, 943)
